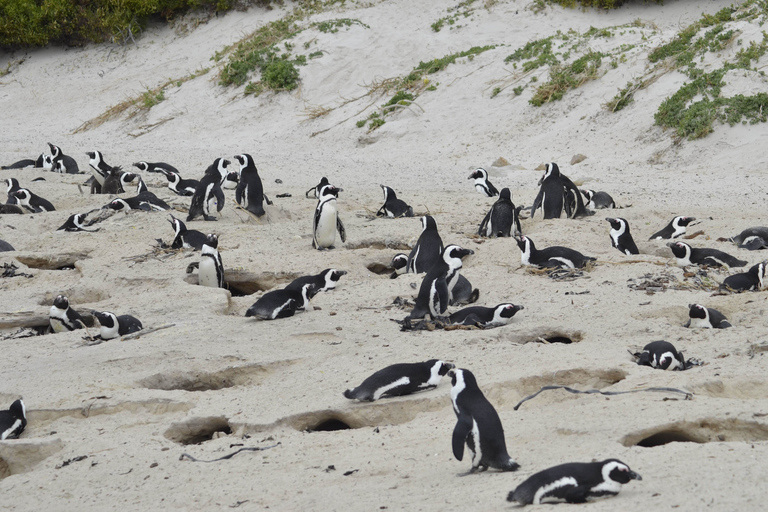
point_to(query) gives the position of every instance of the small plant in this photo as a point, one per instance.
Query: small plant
(495, 92)
(254, 88)
(518, 90)
(316, 55)
(333, 26)
(280, 75)
(565, 77)
(463, 9)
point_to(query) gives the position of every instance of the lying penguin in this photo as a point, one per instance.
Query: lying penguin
(485, 317)
(113, 326)
(661, 355)
(705, 318)
(13, 421)
(400, 379)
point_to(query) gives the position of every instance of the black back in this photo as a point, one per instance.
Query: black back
(428, 248)
(250, 189)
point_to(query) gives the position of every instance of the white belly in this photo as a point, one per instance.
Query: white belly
(325, 231)
(207, 273)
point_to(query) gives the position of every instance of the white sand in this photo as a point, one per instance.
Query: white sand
(288, 375)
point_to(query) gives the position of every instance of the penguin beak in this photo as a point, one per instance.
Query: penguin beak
(671, 244)
(634, 476)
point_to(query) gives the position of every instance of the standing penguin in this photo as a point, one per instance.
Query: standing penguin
(500, 219)
(13, 421)
(62, 317)
(61, 162)
(326, 220)
(435, 290)
(400, 379)
(621, 238)
(661, 355)
(598, 200)
(478, 425)
(674, 229)
(32, 202)
(393, 207)
(557, 193)
(99, 168)
(281, 303)
(574, 482)
(186, 238)
(686, 255)
(249, 192)
(753, 279)
(113, 326)
(428, 247)
(211, 270)
(555, 256)
(209, 191)
(705, 318)
(482, 184)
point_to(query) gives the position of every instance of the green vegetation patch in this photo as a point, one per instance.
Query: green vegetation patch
(599, 4)
(333, 26)
(462, 10)
(564, 77)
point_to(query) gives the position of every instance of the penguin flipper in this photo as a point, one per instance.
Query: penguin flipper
(239, 193)
(577, 204)
(484, 223)
(442, 297)
(340, 227)
(724, 324)
(538, 202)
(219, 198)
(460, 432)
(577, 494)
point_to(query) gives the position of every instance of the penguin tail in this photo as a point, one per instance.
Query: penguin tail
(257, 211)
(474, 296)
(349, 394)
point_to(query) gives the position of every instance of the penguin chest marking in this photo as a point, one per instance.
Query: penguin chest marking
(701, 323)
(10, 430)
(209, 273)
(473, 442)
(544, 490)
(325, 231)
(402, 381)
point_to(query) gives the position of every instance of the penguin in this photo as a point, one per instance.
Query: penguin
(281, 303)
(326, 220)
(127, 204)
(211, 270)
(598, 200)
(13, 421)
(435, 291)
(705, 318)
(753, 279)
(76, 222)
(323, 282)
(126, 178)
(27, 162)
(11, 186)
(250, 192)
(478, 425)
(686, 255)
(155, 167)
(554, 256)
(47, 162)
(557, 193)
(11, 208)
(393, 207)
(661, 355)
(399, 265)
(112, 183)
(482, 184)
(485, 317)
(99, 169)
(753, 239)
(315, 191)
(113, 326)
(621, 238)
(428, 247)
(61, 162)
(32, 202)
(674, 229)
(400, 379)
(574, 482)
(209, 191)
(462, 292)
(231, 180)
(178, 185)
(186, 238)
(62, 317)
(5, 246)
(500, 219)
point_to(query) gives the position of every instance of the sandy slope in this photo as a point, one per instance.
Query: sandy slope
(127, 405)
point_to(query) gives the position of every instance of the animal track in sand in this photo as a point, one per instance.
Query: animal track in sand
(246, 375)
(707, 430)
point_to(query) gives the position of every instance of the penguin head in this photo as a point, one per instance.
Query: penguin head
(617, 471)
(759, 271)
(105, 318)
(453, 254)
(508, 310)
(478, 174)
(680, 249)
(178, 225)
(12, 183)
(245, 160)
(443, 367)
(127, 177)
(95, 157)
(681, 221)
(55, 150)
(329, 192)
(399, 261)
(18, 410)
(524, 243)
(428, 222)
(550, 170)
(23, 196)
(118, 205)
(212, 241)
(697, 311)
(47, 162)
(505, 195)
(331, 277)
(462, 378)
(587, 194)
(142, 166)
(388, 193)
(615, 223)
(61, 302)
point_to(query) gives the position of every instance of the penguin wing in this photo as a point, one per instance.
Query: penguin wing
(484, 223)
(442, 297)
(576, 201)
(340, 227)
(239, 192)
(219, 197)
(491, 189)
(538, 202)
(460, 432)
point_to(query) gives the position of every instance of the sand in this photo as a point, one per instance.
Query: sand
(133, 407)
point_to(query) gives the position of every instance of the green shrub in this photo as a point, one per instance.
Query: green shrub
(280, 75)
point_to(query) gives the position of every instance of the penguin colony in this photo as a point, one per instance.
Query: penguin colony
(478, 426)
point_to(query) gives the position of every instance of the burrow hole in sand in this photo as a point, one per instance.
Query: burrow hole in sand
(198, 430)
(709, 430)
(242, 283)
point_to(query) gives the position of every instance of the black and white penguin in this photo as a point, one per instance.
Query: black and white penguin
(11, 208)
(428, 247)
(315, 191)
(574, 482)
(621, 238)
(462, 292)
(686, 255)
(281, 303)
(393, 207)
(61, 162)
(557, 193)
(112, 183)
(155, 167)
(5, 246)
(127, 204)
(753, 239)
(500, 219)
(127, 178)
(32, 202)
(113, 326)
(478, 425)
(753, 279)
(211, 269)
(231, 180)
(482, 184)
(400, 379)
(555, 256)
(208, 192)
(62, 317)
(76, 222)
(674, 229)
(178, 185)
(705, 318)
(47, 162)
(249, 192)
(598, 200)
(435, 291)
(11, 186)
(13, 421)
(323, 282)
(326, 220)
(186, 238)
(99, 168)
(485, 317)
(27, 162)
(399, 265)
(661, 355)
